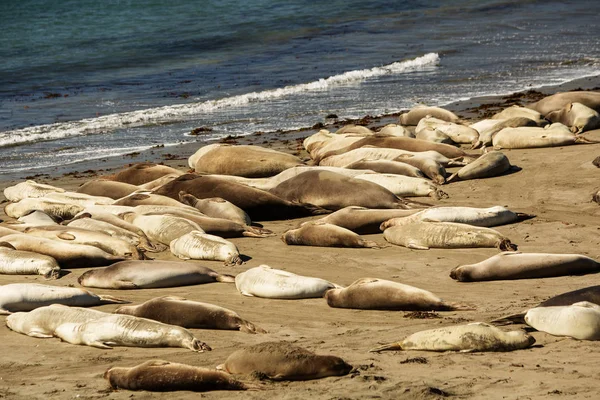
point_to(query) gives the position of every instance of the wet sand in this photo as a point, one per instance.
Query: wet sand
(555, 184)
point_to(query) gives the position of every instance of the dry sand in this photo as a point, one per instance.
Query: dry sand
(556, 184)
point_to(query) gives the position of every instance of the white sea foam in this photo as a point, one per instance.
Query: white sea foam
(174, 113)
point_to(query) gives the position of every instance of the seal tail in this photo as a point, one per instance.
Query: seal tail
(199, 346)
(387, 347)
(225, 278)
(372, 245)
(107, 299)
(506, 245)
(510, 320)
(234, 259)
(254, 231)
(524, 216)
(583, 139)
(458, 307)
(405, 204)
(439, 194)
(453, 177)
(52, 274)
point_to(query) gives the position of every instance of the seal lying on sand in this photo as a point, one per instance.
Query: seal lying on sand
(580, 320)
(127, 330)
(197, 245)
(559, 100)
(166, 376)
(264, 281)
(284, 361)
(29, 296)
(363, 220)
(488, 165)
(151, 274)
(189, 314)
(139, 174)
(16, 262)
(477, 336)
(517, 265)
(101, 187)
(325, 235)
(380, 294)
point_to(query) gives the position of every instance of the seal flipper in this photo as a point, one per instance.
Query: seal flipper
(253, 231)
(385, 347)
(249, 327)
(125, 285)
(509, 320)
(39, 334)
(225, 278)
(415, 246)
(4, 311)
(100, 345)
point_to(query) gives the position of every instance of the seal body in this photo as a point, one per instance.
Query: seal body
(216, 207)
(145, 274)
(325, 235)
(488, 165)
(580, 320)
(466, 338)
(576, 115)
(102, 187)
(405, 186)
(139, 174)
(517, 265)
(27, 189)
(130, 331)
(415, 114)
(561, 99)
(553, 135)
(264, 281)
(162, 228)
(29, 296)
(284, 361)
(446, 235)
(165, 376)
(363, 220)
(189, 314)
(54, 208)
(16, 262)
(197, 245)
(380, 294)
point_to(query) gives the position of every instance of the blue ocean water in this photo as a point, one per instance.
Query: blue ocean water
(83, 79)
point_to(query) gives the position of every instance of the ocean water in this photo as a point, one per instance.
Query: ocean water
(83, 79)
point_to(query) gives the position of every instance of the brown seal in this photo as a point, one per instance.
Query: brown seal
(284, 361)
(325, 235)
(112, 189)
(559, 100)
(165, 376)
(363, 220)
(190, 314)
(139, 174)
(259, 205)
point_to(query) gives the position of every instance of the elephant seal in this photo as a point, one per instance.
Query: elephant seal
(216, 207)
(80, 199)
(325, 235)
(455, 132)
(559, 100)
(363, 220)
(264, 281)
(138, 174)
(162, 228)
(244, 160)
(473, 337)
(580, 320)
(197, 245)
(517, 111)
(189, 314)
(29, 189)
(577, 116)
(488, 165)
(485, 217)
(588, 294)
(596, 197)
(415, 114)
(434, 135)
(384, 153)
(352, 129)
(127, 330)
(333, 191)
(43, 321)
(487, 133)
(430, 167)
(151, 274)
(424, 235)
(387, 167)
(141, 198)
(16, 262)
(283, 361)
(56, 209)
(67, 255)
(36, 218)
(517, 265)
(405, 186)
(395, 130)
(102, 187)
(166, 376)
(259, 205)
(553, 135)
(380, 294)
(29, 296)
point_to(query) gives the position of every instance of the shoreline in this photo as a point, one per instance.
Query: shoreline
(176, 156)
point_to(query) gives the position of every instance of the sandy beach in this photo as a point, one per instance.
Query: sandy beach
(556, 184)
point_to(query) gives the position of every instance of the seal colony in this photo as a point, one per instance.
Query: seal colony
(358, 181)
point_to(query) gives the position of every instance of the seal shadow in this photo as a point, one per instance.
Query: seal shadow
(245, 258)
(63, 272)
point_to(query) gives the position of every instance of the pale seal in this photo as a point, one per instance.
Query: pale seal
(577, 116)
(151, 274)
(284, 361)
(387, 167)
(559, 100)
(197, 245)
(216, 207)
(464, 338)
(490, 164)
(553, 135)
(162, 228)
(516, 112)
(415, 114)
(189, 314)
(16, 297)
(166, 376)
(380, 294)
(29, 189)
(424, 235)
(54, 208)
(457, 133)
(325, 235)
(517, 265)
(127, 330)
(16, 262)
(405, 186)
(580, 320)
(264, 281)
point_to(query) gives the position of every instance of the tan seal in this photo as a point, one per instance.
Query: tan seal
(139, 174)
(166, 376)
(284, 361)
(325, 235)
